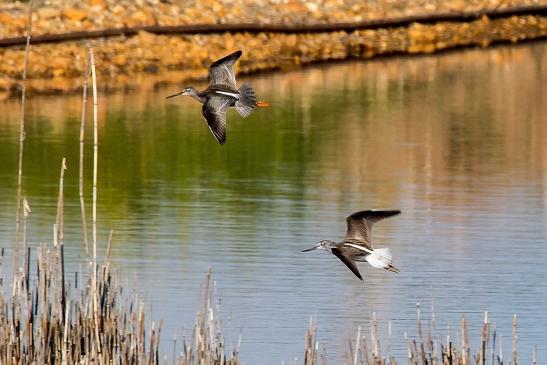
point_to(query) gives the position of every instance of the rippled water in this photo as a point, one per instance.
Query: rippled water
(458, 142)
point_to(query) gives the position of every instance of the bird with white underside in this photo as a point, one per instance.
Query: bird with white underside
(357, 245)
(221, 94)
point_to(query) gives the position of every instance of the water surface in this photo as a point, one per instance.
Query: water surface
(457, 141)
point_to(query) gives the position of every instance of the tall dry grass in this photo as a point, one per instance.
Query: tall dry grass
(45, 319)
(428, 348)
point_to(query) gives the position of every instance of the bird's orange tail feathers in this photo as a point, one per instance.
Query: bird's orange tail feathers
(262, 104)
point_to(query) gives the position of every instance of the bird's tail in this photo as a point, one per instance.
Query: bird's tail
(380, 258)
(247, 102)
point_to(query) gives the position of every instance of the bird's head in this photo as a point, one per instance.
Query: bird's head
(323, 245)
(187, 91)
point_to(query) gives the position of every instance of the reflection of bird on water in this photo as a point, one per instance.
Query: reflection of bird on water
(357, 245)
(221, 94)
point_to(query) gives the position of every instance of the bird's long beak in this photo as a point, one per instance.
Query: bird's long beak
(177, 94)
(311, 249)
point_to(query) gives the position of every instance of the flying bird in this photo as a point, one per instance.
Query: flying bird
(221, 94)
(357, 245)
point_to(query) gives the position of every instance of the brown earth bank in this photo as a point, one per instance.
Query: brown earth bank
(62, 16)
(146, 60)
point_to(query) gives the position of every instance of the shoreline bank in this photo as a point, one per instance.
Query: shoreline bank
(177, 58)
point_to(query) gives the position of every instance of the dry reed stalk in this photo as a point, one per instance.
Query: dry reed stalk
(62, 239)
(350, 348)
(22, 140)
(408, 349)
(60, 204)
(493, 348)
(59, 234)
(484, 340)
(514, 341)
(430, 344)
(389, 355)
(500, 356)
(365, 351)
(174, 355)
(94, 209)
(435, 354)
(450, 352)
(81, 162)
(375, 342)
(324, 356)
(108, 247)
(465, 343)
(415, 355)
(420, 333)
(64, 352)
(26, 263)
(311, 345)
(356, 354)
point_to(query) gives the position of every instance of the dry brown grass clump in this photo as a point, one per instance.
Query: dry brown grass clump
(427, 349)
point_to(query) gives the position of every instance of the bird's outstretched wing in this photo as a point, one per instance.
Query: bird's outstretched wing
(348, 262)
(214, 111)
(221, 72)
(360, 223)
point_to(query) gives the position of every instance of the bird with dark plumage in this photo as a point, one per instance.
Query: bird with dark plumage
(357, 245)
(221, 94)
